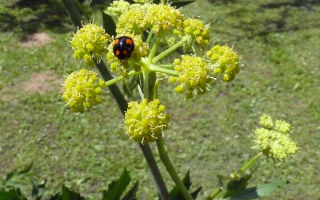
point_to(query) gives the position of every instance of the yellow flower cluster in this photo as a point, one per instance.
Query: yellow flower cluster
(157, 17)
(133, 21)
(226, 62)
(116, 8)
(196, 29)
(141, 49)
(90, 42)
(164, 18)
(275, 141)
(194, 75)
(145, 121)
(82, 89)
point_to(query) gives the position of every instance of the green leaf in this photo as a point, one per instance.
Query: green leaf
(259, 191)
(70, 195)
(13, 194)
(108, 24)
(131, 195)
(266, 189)
(181, 3)
(116, 188)
(26, 170)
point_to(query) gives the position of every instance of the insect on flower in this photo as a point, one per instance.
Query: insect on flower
(123, 47)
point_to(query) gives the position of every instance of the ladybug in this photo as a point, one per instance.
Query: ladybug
(123, 47)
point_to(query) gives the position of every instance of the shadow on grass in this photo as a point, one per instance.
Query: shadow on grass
(30, 16)
(266, 18)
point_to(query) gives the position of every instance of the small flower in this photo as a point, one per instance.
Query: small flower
(82, 89)
(282, 126)
(117, 8)
(197, 31)
(194, 75)
(141, 49)
(226, 62)
(266, 121)
(134, 20)
(163, 17)
(90, 42)
(145, 121)
(273, 142)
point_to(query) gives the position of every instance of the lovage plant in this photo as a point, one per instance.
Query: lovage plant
(146, 33)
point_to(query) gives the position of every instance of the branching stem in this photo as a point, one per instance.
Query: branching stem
(169, 50)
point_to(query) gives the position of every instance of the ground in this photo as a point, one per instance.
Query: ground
(279, 45)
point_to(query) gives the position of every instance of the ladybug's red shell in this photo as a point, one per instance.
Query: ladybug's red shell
(123, 47)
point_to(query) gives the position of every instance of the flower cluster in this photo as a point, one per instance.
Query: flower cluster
(274, 140)
(117, 8)
(90, 42)
(133, 21)
(196, 29)
(82, 89)
(194, 75)
(141, 49)
(226, 62)
(155, 17)
(145, 121)
(164, 17)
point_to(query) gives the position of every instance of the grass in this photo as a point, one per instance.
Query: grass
(279, 43)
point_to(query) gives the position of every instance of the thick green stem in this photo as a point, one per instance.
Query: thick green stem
(169, 50)
(146, 83)
(249, 164)
(169, 166)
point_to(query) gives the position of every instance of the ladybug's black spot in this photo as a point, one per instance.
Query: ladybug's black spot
(125, 46)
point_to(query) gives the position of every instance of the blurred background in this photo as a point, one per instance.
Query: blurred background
(279, 44)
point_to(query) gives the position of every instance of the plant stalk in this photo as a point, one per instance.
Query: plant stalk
(169, 50)
(123, 105)
(249, 164)
(169, 166)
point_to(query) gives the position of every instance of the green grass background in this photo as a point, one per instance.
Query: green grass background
(279, 44)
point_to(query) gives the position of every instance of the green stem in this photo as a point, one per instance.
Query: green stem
(155, 47)
(168, 66)
(249, 164)
(169, 50)
(214, 194)
(155, 89)
(156, 68)
(146, 83)
(120, 78)
(149, 37)
(169, 166)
